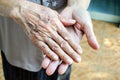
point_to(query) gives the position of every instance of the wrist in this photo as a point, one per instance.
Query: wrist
(79, 4)
(7, 6)
(17, 6)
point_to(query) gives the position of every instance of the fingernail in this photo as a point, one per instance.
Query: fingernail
(55, 57)
(70, 61)
(71, 20)
(94, 43)
(78, 59)
(79, 51)
(97, 45)
(63, 19)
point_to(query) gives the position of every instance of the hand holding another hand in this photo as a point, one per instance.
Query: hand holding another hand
(82, 26)
(43, 26)
(52, 65)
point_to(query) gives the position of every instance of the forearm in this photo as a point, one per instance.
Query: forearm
(7, 5)
(79, 3)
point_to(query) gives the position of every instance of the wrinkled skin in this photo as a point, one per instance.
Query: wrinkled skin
(83, 25)
(51, 65)
(44, 27)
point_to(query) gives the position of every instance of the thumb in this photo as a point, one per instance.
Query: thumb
(88, 29)
(67, 22)
(85, 23)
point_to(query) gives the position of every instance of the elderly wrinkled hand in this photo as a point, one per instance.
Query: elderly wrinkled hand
(43, 26)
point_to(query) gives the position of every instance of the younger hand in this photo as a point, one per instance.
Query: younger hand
(83, 23)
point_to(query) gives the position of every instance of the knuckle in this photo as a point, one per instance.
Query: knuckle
(43, 47)
(67, 38)
(33, 37)
(46, 39)
(55, 48)
(63, 44)
(71, 53)
(62, 57)
(51, 54)
(52, 21)
(35, 41)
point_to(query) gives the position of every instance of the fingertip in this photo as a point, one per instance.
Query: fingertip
(48, 73)
(67, 22)
(97, 46)
(72, 21)
(62, 69)
(79, 50)
(93, 43)
(52, 67)
(55, 57)
(45, 62)
(69, 61)
(78, 60)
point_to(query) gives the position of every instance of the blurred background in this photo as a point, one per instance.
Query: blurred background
(103, 64)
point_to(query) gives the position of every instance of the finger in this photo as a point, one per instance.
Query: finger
(67, 22)
(66, 47)
(87, 27)
(46, 62)
(52, 67)
(37, 20)
(76, 34)
(63, 68)
(91, 36)
(66, 36)
(56, 48)
(47, 51)
(71, 42)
